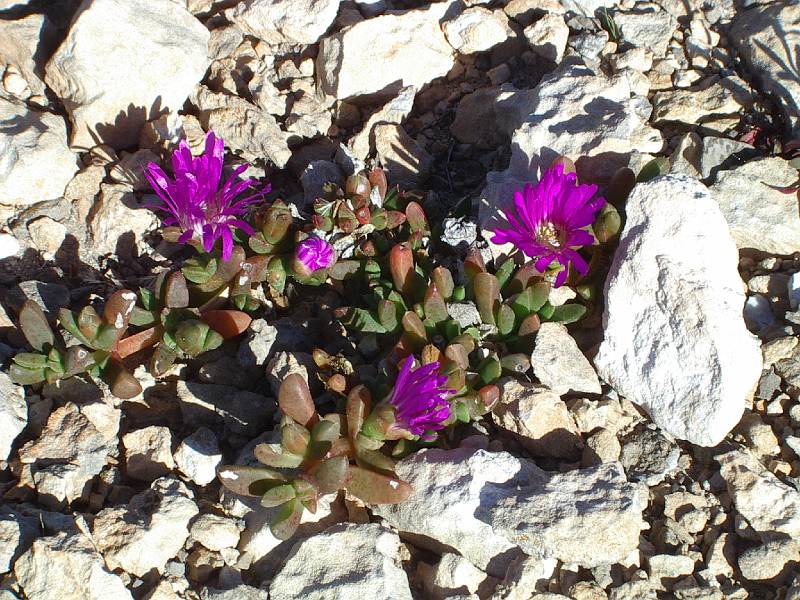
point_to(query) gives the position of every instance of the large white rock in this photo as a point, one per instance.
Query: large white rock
(593, 119)
(346, 561)
(390, 51)
(23, 42)
(35, 162)
(13, 414)
(285, 21)
(674, 338)
(124, 62)
(477, 29)
(449, 487)
(67, 567)
(767, 37)
(758, 215)
(770, 506)
(588, 517)
(149, 531)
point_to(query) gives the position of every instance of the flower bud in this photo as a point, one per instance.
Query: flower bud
(313, 254)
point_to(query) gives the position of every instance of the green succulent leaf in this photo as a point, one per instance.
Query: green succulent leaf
(26, 376)
(331, 474)
(568, 313)
(249, 481)
(656, 167)
(195, 337)
(487, 296)
(286, 522)
(35, 327)
(272, 456)
(278, 495)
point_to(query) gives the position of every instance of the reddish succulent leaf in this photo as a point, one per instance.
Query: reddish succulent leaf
(569, 165)
(401, 265)
(136, 342)
(416, 217)
(487, 296)
(295, 438)
(227, 323)
(359, 403)
(377, 178)
(123, 384)
(489, 395)
(620, 186)
(176, 292)
(331, 474)
(294, 400)
(443, 280)
(473, 263)
(226, 270)
(430, 354)
(376, 488)
(241, 479)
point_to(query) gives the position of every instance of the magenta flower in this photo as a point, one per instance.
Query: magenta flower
(420, 399)
(551, 220)
(198, 206)
(314, 254)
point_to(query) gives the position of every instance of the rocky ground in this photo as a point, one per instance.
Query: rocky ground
(618, 478)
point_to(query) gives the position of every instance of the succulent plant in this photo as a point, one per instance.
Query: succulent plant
(317, 455)
(94, 353)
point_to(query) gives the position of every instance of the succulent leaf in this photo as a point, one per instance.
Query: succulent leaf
(35, 327)
(294, 400)
(377, 488)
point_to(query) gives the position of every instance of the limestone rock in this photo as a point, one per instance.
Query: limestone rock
(13, 414)
(198, 456)
(148, 453)
(449, 487)
(69, 452)
(477, 29)
(372, 55)
(215, 405)
(247, 129)
(124, 62)
(766, 36)
(149, 531)
(548, 37)
(559, 364)
(346, 561)
(452, 574)
(538, 417)
(393, 111)
(17, 532)
(285, 21)
(651, 29)
(674, 339)
(215, 532)
(770, 506)
(758, 215)
(9, 245)
(405, 160)
(587, 517)
(575, 112)
(67, 567)
(708, 102)
(768, 561)
(23, 40)
(35, 162)
(118, 222)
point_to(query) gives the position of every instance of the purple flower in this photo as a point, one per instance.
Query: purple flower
(314, 254)
(551, 220)
(199, 207)
(420, 399)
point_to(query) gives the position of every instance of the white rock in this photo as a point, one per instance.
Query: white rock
(67, 567)
(215, 532)
(477, 29)
(587, 517)
(23, 41)
(69, 452)
(13, 414)
(198, 456)
(575, 112)
(250, 131)
(548, 37)
(667, 566)
(709, 101)
(9, 245)
(559, 364)
(771, 507)
(285, 21)
(449, 487)
(373, 55)
(148, 453)
(346, 561)
(118, 222)
(759, 216)
(394, 111)
(124, 62)
(35, 162)
(149, 531)
(16, 534)
(47, 235)
(405, 160)
(451, 574)
(674, 339)
(651, 29)
(525, 575)
(769, 560)
(538, 416)
(793, 286)
(766, 37)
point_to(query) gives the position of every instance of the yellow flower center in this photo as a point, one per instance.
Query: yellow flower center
(549, 235)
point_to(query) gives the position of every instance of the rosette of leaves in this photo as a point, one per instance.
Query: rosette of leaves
(317, 455)
(94, 342)
(180, 321)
